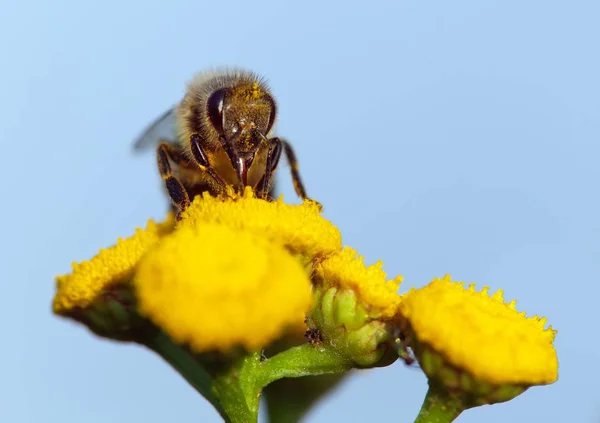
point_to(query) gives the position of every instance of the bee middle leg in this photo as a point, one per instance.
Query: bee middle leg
(177, 192)
(294, 169)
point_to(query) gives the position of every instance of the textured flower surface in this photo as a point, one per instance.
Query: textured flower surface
(214, 287)
(481, 334)
(300, 228)
(347, 270)
(110, 267)
(232, 273)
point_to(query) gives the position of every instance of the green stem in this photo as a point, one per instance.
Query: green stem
(288, 400)
(187, 367)
(236, 393)
(241, 387)
(235, 389)
(303, 360)
(438, 407)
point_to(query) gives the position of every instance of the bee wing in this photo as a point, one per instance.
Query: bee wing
(163, 128)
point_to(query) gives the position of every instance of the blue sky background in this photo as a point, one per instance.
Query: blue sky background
(458, 137)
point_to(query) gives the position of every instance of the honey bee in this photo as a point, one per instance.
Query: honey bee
(223, 138)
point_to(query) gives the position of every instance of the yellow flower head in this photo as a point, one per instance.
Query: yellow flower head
(346, 269)
(300, 228)
(215, 288)
(481, 334)
(353, 308)
(111, 266)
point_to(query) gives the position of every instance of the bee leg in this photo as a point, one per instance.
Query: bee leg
(177, 192)
(273, 157)
(202, 161)
(293, 161)
(239, 165)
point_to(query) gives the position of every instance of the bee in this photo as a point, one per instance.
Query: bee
(222, 131)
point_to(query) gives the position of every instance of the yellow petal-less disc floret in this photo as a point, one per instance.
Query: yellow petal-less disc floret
(215, 288)
(481, 334)
(346, 269)
(299, 227)
(109, 267)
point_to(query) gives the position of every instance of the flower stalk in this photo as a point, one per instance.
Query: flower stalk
(187, 366)
(439, 406)
(240, 388)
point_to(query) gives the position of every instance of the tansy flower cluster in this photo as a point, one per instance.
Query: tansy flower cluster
(237, 272)
(227, 275)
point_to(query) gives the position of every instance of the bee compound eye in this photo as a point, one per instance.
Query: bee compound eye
(215, 106)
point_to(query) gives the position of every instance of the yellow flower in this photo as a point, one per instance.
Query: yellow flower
(353, 308)
(481, 334)
(300, 228)
(215, 288)
(347, 270)
(231, 273)
(111, 266)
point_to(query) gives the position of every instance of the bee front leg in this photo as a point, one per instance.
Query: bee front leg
(175, 188)
(273, 156)
(201, 159)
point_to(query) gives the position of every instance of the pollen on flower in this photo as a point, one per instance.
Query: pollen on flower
(481, 334)
(111, 266)
(346, 269)
(300, 228)
(215, 288)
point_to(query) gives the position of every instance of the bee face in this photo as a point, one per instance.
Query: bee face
(223, 139)
(242, 115)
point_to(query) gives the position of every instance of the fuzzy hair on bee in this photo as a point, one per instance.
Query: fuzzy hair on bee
(223, 130)
(192, 113)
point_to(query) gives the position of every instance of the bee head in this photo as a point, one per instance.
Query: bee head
(243, 115)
